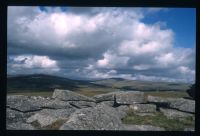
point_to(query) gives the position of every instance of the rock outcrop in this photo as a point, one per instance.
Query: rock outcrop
(101, 117)
(66, 95)
(174, 114)
(130, 97)
(181, 104)
(47, 117)
(68, 110)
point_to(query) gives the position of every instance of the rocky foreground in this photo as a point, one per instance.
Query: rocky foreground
(67, 110)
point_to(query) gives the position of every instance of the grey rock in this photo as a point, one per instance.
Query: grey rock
(57, 104)
(67, 95)
(174, 114)
(25, 103)
(122, 111)
(109, 103)
(47, 117)
(189, 129)
(82, 104)
(13, 116)
(143, 128)
(19, 126)
(130, 97)
(101, 117)
(143, 108)
(154, 99)
(181, 104)
(104, 97)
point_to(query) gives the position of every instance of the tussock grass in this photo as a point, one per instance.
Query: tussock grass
(159, 120)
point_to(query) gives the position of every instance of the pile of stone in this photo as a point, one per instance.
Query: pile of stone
(67, 110)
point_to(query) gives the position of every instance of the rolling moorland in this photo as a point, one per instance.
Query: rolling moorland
(44, 85)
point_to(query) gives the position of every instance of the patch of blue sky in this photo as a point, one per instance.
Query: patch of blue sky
(181, 20)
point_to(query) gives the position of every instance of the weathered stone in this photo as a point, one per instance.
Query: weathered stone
(101, 117)
(189, 129)
(48, 116)
(175, 103)
(183, 104)
(174, 114)
(25, 103)
(16, 116)
(104, 97)
(122, 111)
(57, 104)
(143, 108)
(82, 104)
(19, 126)
(67, 95)
(143, 128)
(157, 100)
(130, 97)
(109, 103)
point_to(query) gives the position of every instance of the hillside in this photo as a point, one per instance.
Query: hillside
(41, 82)
(125, 84)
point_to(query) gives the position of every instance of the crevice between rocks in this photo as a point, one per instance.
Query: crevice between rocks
(24, 111)
(166, 106)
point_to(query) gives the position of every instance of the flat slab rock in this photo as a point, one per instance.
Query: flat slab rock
(129, 97)
(174, 114)
(105, 97)
(26, 103)
(67, 95)
(13, 116)
(143, 128)
(181, 104)
(57, 104)
(101, 117)
(47, 117)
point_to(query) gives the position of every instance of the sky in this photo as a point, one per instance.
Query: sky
(152, 44)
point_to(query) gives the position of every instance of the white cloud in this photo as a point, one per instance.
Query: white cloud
(27, 61)
(108, 42)
(111, 60)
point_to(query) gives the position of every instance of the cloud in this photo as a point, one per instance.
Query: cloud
(30, 62)
(81, 43)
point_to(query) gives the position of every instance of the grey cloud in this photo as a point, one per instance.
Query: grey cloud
(79, 49)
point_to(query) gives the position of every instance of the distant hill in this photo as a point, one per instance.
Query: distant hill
(125, 84)
(41, 82)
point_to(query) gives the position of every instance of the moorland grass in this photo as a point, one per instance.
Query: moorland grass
(159, 120)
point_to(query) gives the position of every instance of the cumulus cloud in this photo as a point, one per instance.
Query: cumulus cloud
(30, 62)
(83, 43)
